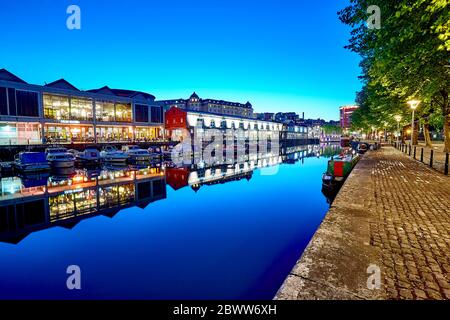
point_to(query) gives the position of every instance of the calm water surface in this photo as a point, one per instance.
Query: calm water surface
(230, 240)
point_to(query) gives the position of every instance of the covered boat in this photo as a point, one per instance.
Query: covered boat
(31, 162)
(90, 156)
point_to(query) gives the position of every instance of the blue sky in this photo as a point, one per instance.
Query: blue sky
(282, 55)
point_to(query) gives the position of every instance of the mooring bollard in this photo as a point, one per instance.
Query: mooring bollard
(431, 158)
(446, 164)
(421, 155)
(410, 147)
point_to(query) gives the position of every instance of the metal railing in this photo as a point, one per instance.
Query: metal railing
(437, 161)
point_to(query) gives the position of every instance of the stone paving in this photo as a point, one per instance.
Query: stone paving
(392, 212)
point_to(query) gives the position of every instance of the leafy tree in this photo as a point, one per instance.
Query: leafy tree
(409, 57)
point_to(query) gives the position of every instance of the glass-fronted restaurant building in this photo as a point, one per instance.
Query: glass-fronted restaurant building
(60, 113)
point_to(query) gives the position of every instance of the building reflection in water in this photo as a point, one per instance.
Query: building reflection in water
(33, 203)
(36, 203)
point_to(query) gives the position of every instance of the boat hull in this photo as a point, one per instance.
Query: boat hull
(32, 167)
(62, 164)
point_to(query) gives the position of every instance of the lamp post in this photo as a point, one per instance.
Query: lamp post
(413, 104)
(398, 118)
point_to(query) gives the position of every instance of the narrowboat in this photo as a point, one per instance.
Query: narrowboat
(338, 169)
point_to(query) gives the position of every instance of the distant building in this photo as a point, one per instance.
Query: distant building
(346, 116)
(195, 103)
(265, 116)
(288, 117)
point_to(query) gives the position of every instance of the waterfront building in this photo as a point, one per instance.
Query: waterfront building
(58, 112)
(195, 103)
(346, 116)
(178, 121)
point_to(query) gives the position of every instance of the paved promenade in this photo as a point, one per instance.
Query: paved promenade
(392, 212)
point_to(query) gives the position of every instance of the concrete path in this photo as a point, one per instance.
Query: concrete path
(393, 213)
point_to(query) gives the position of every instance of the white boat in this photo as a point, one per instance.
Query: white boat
(31, 162)
(136, 154)
(89, 156)
(60, 158)
(111, 155)
(155, 152)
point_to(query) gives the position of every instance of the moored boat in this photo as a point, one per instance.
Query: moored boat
(135, 153)
(338, 169)
(111, 155)
(60, 158)
(90, 156)
(31, 162)
(155, 152)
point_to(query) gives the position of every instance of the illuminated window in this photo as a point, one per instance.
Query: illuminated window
(81, 109)
(123, 112)
(56, 107)
(104, 111)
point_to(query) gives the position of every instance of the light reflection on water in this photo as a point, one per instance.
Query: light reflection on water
(229, 231)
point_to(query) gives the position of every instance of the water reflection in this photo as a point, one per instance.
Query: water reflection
(36, 202)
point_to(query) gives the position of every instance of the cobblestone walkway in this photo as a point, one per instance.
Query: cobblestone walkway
(393, 212)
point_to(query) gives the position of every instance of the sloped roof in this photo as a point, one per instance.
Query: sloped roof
(62, 84)
(103, 90)
(122, 93)
(8, 76)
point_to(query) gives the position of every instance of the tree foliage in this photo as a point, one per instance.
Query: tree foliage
(408, 58)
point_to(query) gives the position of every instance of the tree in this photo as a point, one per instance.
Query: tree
(407, 58)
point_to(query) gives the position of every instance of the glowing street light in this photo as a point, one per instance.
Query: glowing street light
(413, 104)
(398, 118)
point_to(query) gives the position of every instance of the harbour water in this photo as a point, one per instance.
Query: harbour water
(232, 231)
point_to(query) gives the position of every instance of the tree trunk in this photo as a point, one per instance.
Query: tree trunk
(447, 132)
(446, 114)
(426, 133)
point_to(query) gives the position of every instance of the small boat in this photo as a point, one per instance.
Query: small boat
(155, 152)
(60, 158)
(338, 170)
(90, 156)
(111, 155)
(135, 153)
(362, 148)
(31, 162)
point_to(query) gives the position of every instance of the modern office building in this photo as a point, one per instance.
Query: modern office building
(195, 103)
(58, 112)
(346, 116)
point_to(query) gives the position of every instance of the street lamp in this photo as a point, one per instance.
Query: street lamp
(413, 104)
(398, 118)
